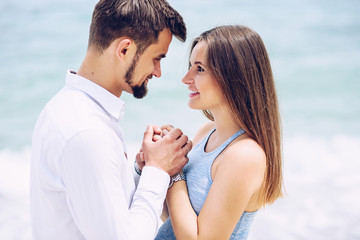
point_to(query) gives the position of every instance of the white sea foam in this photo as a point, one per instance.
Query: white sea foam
(321, 201)
(14, 195)
(322, 191)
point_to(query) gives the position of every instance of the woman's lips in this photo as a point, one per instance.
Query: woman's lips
(193, 94)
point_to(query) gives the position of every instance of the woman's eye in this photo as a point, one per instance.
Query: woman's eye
(200, 69)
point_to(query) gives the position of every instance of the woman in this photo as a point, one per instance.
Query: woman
(235, 167)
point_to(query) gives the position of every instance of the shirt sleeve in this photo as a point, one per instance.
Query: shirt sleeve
(98, 182)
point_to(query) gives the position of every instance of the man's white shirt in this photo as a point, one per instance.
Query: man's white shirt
(82, 185)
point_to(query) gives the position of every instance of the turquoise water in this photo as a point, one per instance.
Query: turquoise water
(314, 47)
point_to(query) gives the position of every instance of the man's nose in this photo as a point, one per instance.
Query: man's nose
(157, 70)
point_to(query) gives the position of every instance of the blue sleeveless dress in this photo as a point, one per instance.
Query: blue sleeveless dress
(198, 181)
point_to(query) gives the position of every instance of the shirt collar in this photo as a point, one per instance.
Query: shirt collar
(112, 104)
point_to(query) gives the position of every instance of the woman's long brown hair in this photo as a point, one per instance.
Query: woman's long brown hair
(238, 59)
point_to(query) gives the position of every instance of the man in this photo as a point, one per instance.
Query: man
(82, 185)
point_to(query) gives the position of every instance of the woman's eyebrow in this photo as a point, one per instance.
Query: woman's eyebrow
(197, 63)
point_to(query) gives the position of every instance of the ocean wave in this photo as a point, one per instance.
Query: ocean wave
(321, 201)
(320, 176)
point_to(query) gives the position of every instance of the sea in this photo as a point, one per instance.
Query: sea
(314, 49)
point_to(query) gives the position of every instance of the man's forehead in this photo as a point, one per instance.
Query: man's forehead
(159, 48)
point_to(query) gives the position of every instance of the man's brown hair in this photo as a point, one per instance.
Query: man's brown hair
(141, 20)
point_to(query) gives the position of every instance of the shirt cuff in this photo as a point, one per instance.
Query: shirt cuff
(154, 179)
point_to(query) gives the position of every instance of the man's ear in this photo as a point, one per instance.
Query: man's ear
(125, 49)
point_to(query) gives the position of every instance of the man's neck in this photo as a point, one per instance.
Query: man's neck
(97, 69)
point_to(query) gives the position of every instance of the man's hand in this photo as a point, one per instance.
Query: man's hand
(158, 134)
(166, 149)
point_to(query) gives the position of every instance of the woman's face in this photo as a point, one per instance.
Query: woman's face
(205, 93)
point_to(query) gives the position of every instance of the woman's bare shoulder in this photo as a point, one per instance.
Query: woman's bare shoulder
(246, 150)
(241, 170)
(244, 157)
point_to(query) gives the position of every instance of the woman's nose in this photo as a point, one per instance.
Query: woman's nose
(187, 79)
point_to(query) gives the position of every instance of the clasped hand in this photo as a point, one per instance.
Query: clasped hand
(164, 147)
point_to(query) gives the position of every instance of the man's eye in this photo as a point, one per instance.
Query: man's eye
(200, 69)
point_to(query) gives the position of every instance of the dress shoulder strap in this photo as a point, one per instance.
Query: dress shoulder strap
(227, 142)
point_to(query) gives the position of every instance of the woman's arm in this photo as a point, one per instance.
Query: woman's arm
(238, 177)
(199, 135)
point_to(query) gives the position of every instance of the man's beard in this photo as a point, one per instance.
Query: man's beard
(138, 91)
